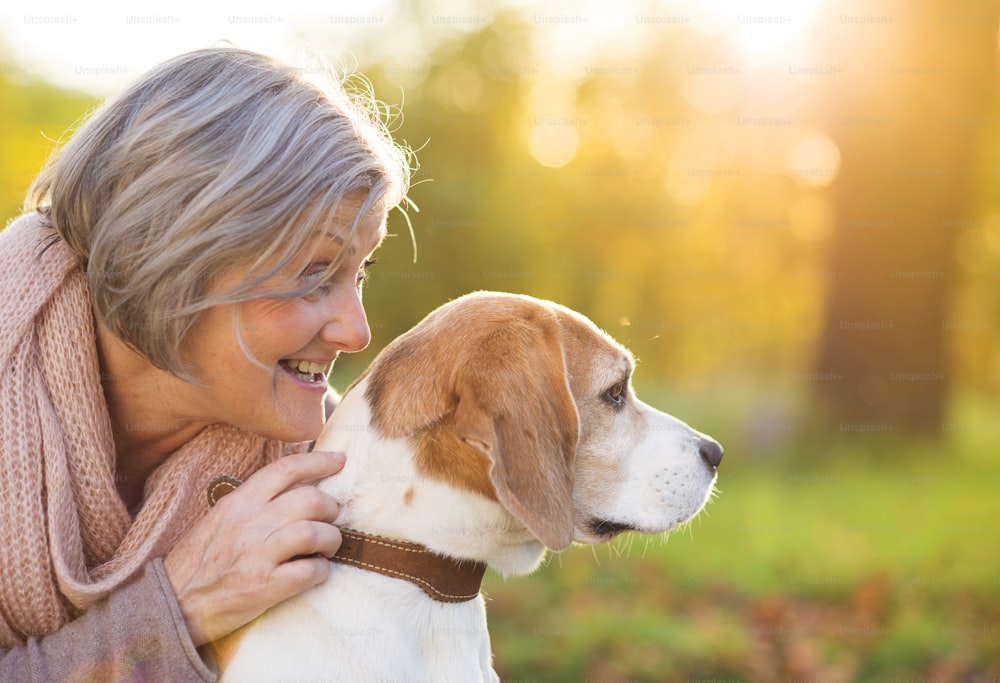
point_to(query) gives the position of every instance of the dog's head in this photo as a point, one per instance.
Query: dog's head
(528, 403)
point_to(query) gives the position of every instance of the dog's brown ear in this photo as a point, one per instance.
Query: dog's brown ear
(515, 406)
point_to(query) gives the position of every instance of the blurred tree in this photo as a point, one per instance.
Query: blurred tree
(33, 115)
(913, 104)
(659, 226)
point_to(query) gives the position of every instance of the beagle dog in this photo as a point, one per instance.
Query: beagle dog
(498, 427)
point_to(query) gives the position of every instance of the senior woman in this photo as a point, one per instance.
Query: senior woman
(190, 269)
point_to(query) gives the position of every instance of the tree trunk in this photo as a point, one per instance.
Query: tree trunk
(913, 101)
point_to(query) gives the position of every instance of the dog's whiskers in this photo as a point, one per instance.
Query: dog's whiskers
(593, 551)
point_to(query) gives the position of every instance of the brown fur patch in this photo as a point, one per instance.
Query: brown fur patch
(408, 496)
(407, 384)
(442, 455)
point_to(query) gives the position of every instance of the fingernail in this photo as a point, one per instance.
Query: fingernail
(339, 459)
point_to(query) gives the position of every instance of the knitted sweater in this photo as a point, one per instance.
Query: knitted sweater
(66, 540)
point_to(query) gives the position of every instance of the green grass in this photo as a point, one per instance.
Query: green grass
(856, 559)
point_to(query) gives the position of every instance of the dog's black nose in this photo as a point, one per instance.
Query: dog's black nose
(710, 451)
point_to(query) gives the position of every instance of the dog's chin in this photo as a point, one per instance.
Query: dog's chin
(602, 530)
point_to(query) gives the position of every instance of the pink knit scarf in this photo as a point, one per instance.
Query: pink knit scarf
(66, 539)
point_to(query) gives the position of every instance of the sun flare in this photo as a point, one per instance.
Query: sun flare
(764, 28)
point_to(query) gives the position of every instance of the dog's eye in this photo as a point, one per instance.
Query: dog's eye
(616, 394)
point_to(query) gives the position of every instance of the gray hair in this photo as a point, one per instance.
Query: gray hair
(214, 160)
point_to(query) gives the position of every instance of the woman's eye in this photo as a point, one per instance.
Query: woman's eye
(616, 394)
(315, 275)
(363, 274)
(319, 275)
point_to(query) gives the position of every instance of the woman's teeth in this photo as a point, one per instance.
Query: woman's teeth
(304, 366)
(306, 371)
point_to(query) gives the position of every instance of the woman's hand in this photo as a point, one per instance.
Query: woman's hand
(237, 561)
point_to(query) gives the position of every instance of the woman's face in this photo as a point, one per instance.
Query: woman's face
(293, 341)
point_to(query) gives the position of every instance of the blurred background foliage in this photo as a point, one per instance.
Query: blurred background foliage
(791, 215)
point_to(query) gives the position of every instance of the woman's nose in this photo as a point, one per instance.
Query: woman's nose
(346, 326)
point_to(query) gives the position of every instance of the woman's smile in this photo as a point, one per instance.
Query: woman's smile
(309, 374)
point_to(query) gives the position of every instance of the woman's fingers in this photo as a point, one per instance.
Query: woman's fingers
(304, 502)
(302, 538)
(291, 578)
(282, 474)
(264, 542)
(301, 523)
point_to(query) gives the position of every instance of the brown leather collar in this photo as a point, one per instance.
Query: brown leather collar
(444, 579)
